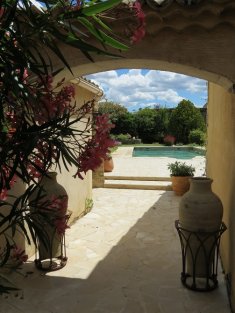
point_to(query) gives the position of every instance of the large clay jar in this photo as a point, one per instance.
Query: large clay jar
(50, 195)
(200, 211)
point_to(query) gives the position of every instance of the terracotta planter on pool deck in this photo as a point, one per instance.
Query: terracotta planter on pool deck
(108, 165)
(180, 184)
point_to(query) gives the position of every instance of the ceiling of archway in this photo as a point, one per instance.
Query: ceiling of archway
(163, 4)
(192, 37)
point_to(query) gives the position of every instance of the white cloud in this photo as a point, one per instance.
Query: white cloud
(176, 81)
(169, 96)
(135, 88)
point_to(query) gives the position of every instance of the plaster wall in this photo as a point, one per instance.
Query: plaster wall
(221, 168)
(79, 191)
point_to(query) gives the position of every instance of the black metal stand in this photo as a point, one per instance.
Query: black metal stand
(46, 258)
(200, 252)
(52, 263)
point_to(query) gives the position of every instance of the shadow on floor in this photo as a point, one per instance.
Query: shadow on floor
(140, 274)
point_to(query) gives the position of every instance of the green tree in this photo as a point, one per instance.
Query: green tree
(124, 121)
(127, 125)
(197, 136)
(151, 124)
(146, 124)
(113, 109)
(185, 118)
(161, 123)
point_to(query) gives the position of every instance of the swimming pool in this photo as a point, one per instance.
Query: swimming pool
(184, 153)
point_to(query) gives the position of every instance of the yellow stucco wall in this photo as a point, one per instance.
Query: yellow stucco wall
(221, 168)
(78, 190)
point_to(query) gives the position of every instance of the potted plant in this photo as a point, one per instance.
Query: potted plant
(180, 173)
(108, 163)
(108, 160)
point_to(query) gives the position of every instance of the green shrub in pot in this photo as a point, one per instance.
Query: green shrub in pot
(180, 173)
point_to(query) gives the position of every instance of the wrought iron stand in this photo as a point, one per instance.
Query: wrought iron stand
(46, 258)
(200, 252)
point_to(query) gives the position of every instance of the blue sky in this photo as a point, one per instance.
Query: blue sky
(139, 88)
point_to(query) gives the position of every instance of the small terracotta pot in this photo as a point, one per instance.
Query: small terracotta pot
(180, 184)
(108, 165)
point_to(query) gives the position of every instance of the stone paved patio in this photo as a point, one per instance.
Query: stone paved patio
(126, 165)
(124, 257)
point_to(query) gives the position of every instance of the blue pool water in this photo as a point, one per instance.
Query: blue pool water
(177, 153)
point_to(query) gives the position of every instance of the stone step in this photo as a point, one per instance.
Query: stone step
(138, 178)
(138, 184)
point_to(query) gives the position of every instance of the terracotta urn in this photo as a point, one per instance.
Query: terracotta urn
(200, 211)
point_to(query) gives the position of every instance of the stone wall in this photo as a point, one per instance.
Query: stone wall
(98, 177)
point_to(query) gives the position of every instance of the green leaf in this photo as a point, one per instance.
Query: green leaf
(100, 35)
(25, 232)
(71, 40)
(31, 230)
(51, 44)
(11, 15)
(101, 23)
(100, 7)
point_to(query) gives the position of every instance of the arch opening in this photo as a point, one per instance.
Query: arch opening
(115, 64)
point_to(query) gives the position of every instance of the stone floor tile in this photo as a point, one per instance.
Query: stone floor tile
(129, 261)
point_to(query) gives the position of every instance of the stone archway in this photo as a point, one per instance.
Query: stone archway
(197, 40)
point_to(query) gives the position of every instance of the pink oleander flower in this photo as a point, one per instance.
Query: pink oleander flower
(97, 147)
(1, 12)
(25, 74)
(56, 207)
(41, 153)
(3, 194)
(138, 12)
(52, 103)
(139, 32)
(5, 187)
(12, 120)
(59, 205)
(18, 254)
(61, 225)
(169, 139)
